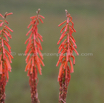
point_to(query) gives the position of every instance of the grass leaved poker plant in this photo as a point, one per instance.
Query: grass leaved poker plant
(5, 55)
(66, 58)
(34, 55)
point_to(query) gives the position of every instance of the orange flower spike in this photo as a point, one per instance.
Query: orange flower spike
(5, 55)
(66, 53)
(33, 60)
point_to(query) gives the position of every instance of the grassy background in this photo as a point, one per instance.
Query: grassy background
(87, 82)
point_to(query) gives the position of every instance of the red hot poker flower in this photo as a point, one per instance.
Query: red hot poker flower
(66, 53)
(5, 55)
(34, 55)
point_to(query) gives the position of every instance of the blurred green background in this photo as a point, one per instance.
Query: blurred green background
(87, 81)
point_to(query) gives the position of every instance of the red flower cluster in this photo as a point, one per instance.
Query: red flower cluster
(5, 55)
(66, 53)
(34, 61)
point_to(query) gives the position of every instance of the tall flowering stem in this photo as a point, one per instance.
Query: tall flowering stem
(5, 55)
(34, 56)
(66, 53)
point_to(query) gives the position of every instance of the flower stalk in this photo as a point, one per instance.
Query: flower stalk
(34, 56)
(66, 53)
(5, 55)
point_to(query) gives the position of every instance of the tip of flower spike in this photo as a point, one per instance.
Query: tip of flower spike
(38, 11)
(66, 10)
(67, 14)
